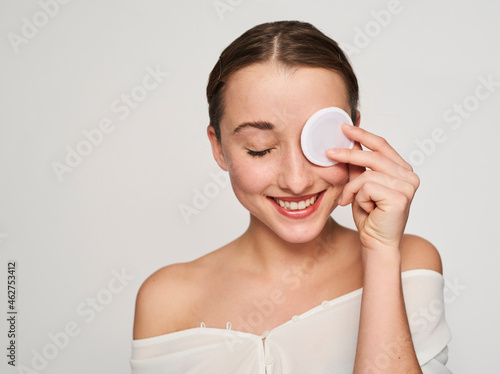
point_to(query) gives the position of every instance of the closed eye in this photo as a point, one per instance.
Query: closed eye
(258, 153)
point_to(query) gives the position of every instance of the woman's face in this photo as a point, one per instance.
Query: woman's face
(266, 107)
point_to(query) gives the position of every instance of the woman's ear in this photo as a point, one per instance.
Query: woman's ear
(358, 118)
(216, 148)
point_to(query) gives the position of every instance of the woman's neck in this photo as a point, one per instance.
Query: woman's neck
(269, 254)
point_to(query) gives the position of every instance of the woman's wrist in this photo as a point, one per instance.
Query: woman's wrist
(386, 257)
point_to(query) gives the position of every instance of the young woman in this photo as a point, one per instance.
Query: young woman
(297, 292)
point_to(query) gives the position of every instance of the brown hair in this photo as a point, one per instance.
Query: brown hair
(291, 43)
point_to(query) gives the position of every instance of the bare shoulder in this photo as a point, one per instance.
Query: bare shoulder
(163, 299)
(418, 253)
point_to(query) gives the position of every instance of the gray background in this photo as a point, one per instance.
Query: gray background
(119, 209)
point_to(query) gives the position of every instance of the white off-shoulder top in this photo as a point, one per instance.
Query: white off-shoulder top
(319, 341)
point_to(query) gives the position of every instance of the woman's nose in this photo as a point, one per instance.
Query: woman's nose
(296, 172)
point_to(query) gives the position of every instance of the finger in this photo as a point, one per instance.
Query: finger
(385, 199)
(375, 143)
(355, 170)
(353, 187)
(375, 161)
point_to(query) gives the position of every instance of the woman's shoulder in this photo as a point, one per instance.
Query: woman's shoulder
(419, 253)
(416, 252)
(165, 298)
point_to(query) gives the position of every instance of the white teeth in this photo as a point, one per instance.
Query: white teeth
(296, 205)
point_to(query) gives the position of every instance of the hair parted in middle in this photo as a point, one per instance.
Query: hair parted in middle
(291, 44)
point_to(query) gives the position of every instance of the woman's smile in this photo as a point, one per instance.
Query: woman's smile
(297, 207)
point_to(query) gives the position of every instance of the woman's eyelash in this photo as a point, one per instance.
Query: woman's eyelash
(258, 153)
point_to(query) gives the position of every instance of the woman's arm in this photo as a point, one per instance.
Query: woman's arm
(384, 340)
(380, 198)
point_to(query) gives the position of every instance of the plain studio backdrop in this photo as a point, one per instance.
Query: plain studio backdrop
(107, 174)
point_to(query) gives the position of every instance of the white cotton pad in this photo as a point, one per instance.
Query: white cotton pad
(322, 131)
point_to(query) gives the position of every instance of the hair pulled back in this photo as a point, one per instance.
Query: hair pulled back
(290, 43)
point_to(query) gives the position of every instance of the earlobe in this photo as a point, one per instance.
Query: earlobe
(216, 148)
(358, 118)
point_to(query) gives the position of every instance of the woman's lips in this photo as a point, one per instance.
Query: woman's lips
(297, 199)
(295, 207)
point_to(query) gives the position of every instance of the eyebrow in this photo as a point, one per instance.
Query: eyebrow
(261, 125)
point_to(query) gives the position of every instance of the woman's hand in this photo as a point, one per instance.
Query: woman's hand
(380, 196)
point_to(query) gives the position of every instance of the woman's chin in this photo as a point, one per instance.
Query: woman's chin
(298, 235)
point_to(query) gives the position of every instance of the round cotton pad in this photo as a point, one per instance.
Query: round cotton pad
(322, 131)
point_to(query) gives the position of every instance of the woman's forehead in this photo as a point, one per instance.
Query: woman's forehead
(266, 92)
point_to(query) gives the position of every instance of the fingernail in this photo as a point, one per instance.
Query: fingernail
(332, 151)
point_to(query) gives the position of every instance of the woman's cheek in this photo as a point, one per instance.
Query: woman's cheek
(336, 175)
(251, 176)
